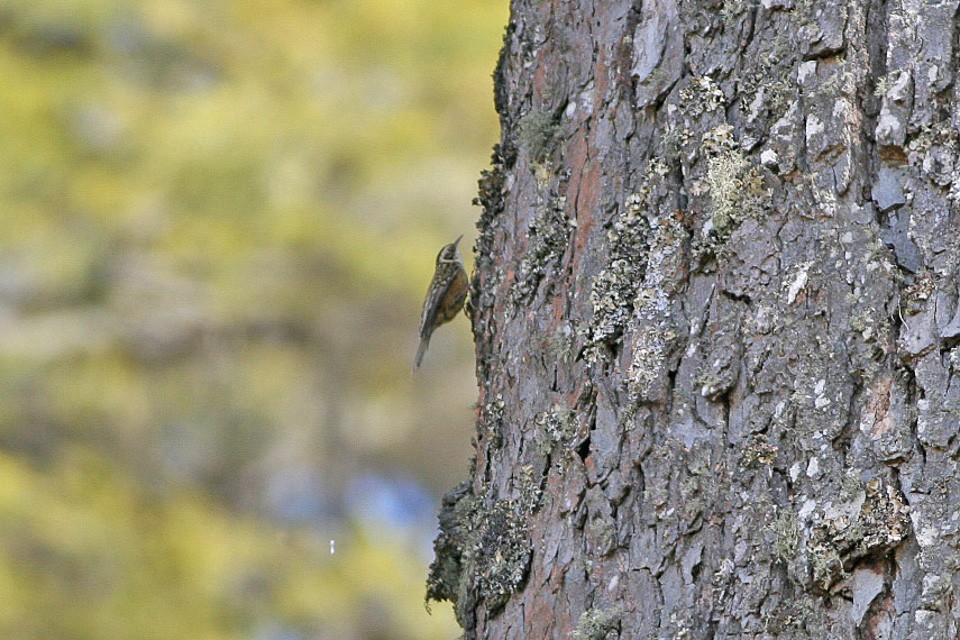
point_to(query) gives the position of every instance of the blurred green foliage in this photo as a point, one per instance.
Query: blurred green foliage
(219, 218)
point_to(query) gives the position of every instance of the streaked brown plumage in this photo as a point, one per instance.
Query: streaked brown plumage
(445, 297)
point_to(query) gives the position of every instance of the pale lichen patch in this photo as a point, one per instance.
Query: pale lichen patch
(555, 429)
(538, 135)
(595, 624)
(615, 287)
(483, 550)
(838, 538)
(630, 295)
(702, 95)
(734, 185)
(549, 235)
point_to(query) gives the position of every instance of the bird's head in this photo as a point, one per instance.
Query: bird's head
(450, 252)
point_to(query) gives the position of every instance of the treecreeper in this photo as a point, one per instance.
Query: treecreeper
(445, 297)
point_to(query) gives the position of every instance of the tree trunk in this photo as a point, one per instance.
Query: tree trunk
(715, 304)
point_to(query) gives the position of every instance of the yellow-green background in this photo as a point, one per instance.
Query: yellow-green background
(218, 221)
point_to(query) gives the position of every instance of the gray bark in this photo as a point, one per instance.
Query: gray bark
(716, 310)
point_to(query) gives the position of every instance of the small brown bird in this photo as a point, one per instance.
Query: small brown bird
(445, 297)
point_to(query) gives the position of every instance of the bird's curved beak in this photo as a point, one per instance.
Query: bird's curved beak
(457, 241)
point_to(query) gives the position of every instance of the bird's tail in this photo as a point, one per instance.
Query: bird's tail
(422, 349)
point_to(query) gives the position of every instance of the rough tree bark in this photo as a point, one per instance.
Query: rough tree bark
(716, 313)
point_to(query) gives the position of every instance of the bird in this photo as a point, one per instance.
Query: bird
(444, 299)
